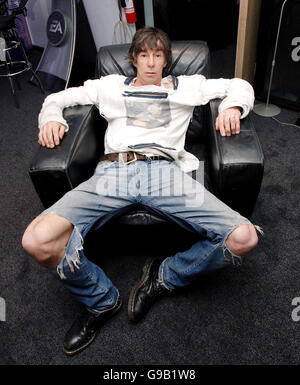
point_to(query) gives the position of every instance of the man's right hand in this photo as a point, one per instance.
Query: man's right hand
(51, 134)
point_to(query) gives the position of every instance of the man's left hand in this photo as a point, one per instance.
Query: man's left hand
(228, 121)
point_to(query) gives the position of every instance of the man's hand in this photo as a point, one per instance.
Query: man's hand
(228, 121)
(51, 134)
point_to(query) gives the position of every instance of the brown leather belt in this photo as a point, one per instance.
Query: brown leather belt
(129, 157)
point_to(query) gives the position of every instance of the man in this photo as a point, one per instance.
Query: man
(147, 121)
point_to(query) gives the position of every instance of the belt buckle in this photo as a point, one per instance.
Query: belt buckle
(130, 161)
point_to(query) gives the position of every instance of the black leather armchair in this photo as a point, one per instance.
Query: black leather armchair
(233, 165)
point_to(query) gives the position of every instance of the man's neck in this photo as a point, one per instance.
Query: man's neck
(165, 82)
(138, 83)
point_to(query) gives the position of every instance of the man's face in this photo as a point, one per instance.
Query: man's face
(149, 65)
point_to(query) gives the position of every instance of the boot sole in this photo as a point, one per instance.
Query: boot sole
(72, 352)
(146, 270)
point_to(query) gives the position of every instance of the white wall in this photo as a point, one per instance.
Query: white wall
(103, 18)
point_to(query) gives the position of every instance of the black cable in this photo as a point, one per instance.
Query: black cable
(120, 9)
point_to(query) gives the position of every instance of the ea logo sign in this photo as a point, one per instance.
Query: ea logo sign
(296, 51)
(56, 28)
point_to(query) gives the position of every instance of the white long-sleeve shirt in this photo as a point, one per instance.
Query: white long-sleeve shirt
(149, 119)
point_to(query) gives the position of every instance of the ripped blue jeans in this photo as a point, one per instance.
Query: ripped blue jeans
(160, 187)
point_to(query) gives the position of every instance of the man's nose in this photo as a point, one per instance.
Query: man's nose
(150, 61)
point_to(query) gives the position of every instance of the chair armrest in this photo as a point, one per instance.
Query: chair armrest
(55, 171)
(236, 164)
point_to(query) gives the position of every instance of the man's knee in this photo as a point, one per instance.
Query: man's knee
(46, 238)
(242, 240)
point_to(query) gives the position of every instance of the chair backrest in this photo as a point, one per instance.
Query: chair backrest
(188, 58)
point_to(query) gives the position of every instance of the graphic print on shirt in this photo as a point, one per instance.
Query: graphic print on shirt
(147, 113)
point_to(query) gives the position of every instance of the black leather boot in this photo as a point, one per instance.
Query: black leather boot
(85, 328)
(146, 291)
